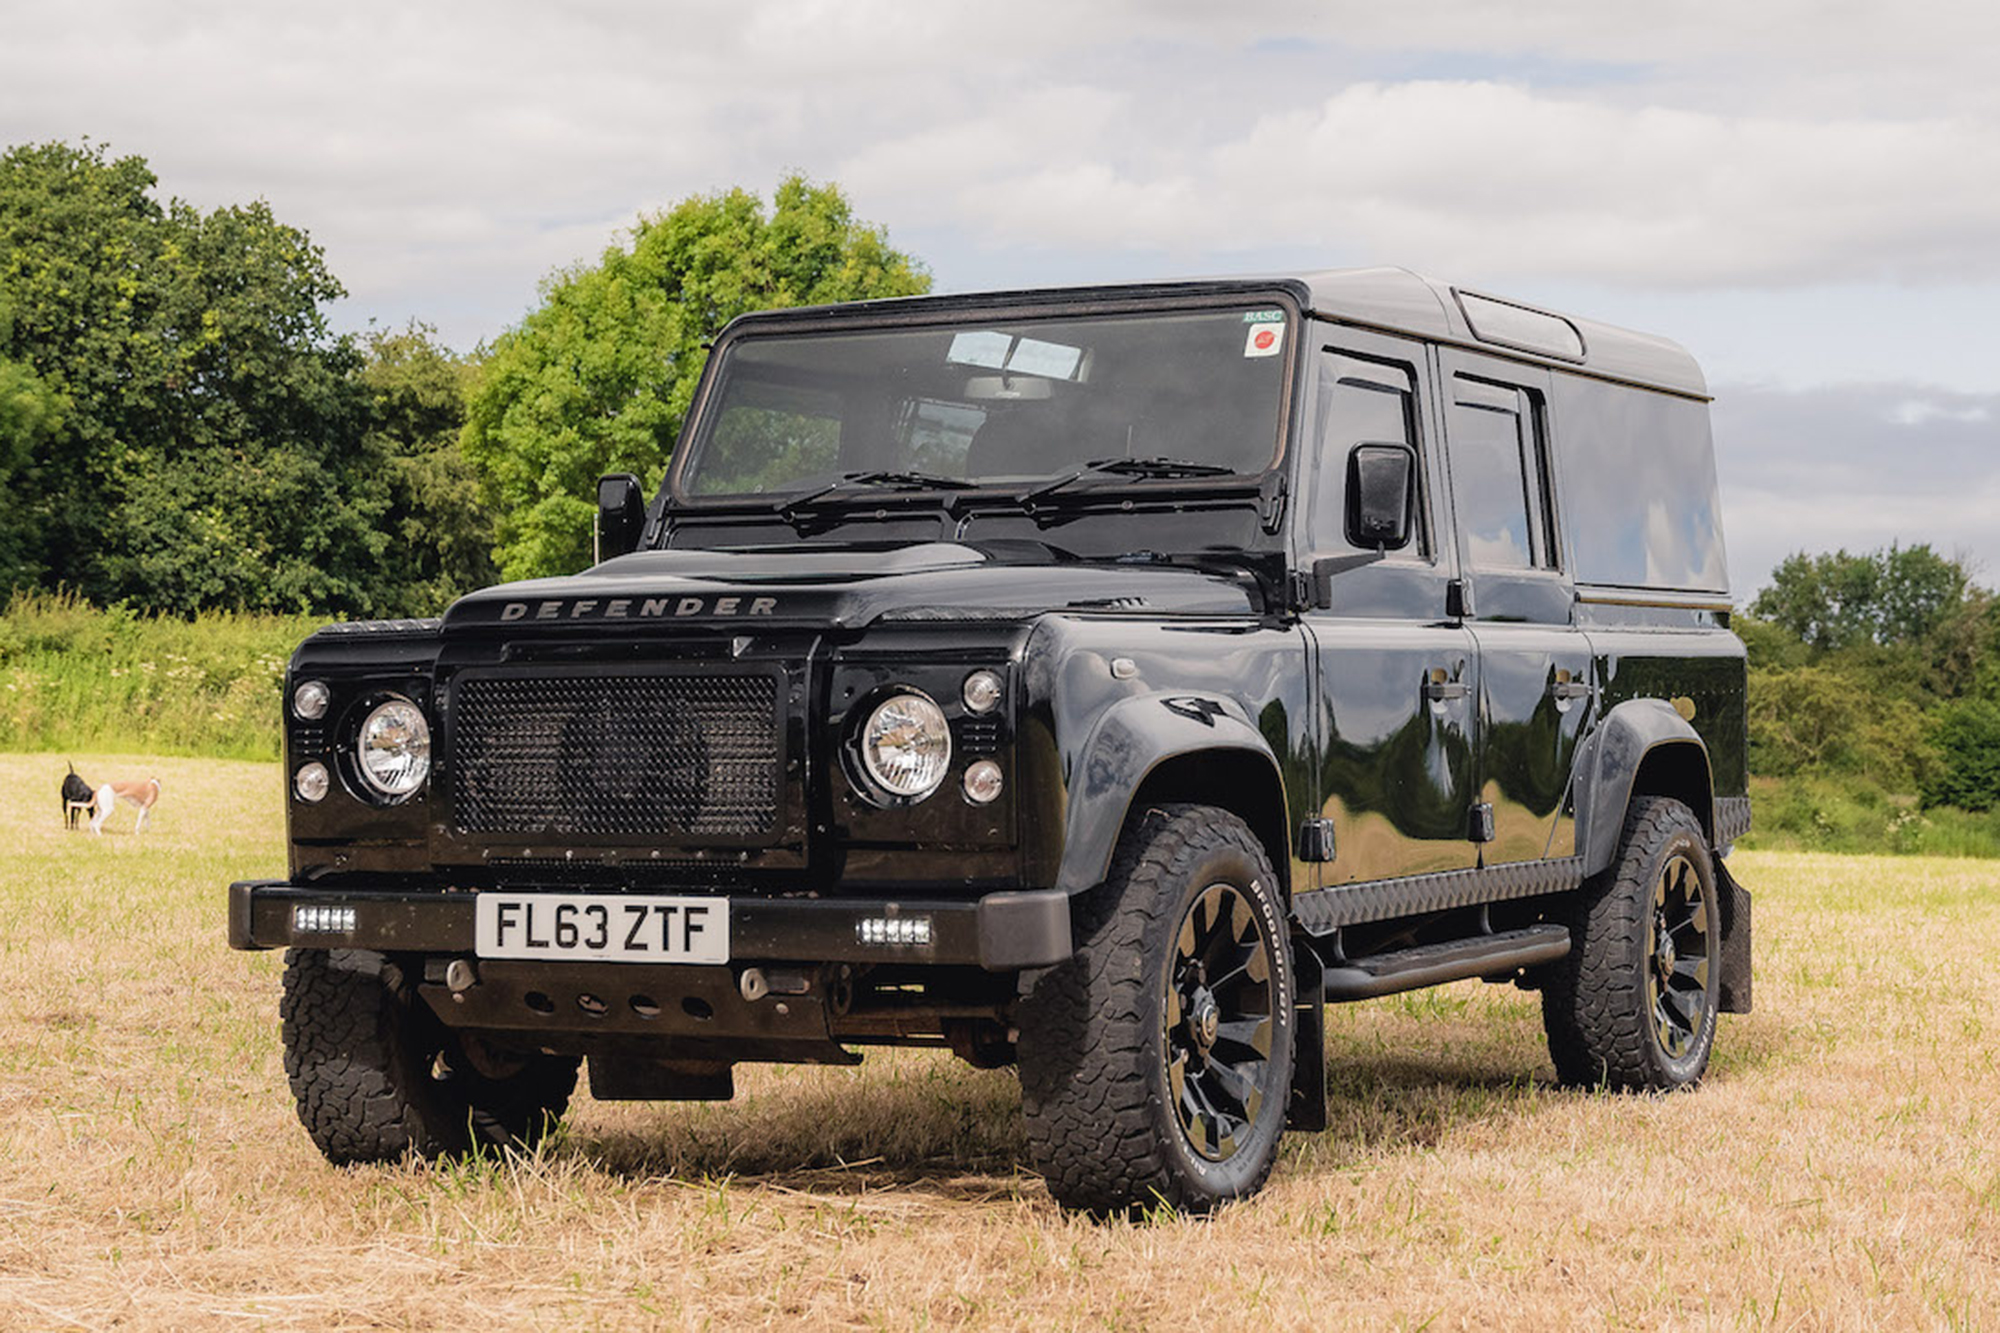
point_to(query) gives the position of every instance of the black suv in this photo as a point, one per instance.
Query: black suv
(1097, 680)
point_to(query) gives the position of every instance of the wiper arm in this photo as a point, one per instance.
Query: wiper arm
(920, 481)
(1131, 467)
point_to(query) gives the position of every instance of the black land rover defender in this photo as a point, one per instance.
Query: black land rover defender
(1096, 680)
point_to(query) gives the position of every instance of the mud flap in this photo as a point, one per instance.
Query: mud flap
(1733, 991)
(1307, 1108)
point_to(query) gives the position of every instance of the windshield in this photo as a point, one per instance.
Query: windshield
(994, 403)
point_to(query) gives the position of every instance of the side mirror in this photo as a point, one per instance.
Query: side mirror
(1381, 495)
(621, 516)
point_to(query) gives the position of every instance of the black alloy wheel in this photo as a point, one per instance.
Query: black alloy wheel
(1677, 945)
(1219, 1025)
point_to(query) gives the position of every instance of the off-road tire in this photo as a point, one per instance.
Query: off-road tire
(1098, 1040)
(377, 1076)
(1599, 1002)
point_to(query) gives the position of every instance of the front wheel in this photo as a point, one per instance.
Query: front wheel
(376, 1075)
(1156, 1062)
(1633, 1005)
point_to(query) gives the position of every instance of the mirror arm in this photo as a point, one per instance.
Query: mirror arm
(1325, 568)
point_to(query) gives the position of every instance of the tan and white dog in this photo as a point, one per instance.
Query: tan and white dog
(145, 794)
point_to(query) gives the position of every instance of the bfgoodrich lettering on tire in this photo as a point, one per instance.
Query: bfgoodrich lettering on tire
(1155, 1063)
(1633, 1005)
(376, 1075)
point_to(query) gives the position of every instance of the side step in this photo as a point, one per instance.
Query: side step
(1453, 960)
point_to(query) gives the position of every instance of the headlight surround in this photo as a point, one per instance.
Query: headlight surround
(392, 748)
(906, 745)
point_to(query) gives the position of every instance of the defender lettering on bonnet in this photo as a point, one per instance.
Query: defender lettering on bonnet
(638, 608)
(1159, 663)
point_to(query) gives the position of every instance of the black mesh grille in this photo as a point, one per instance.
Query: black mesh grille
(683, 756)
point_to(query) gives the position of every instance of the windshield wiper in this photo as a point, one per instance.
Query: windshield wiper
(1129, 467)
(907, 481)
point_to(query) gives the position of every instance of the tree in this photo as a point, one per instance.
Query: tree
(30, 414)
(208, 443)
(1891, 597)
(600, 377)
(440, 532)
(1967, 735)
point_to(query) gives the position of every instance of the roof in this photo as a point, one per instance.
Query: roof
(1399, 300)
(1390, 299)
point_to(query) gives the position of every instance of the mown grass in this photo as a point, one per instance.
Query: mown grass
(76, 677)
(1837, 1170)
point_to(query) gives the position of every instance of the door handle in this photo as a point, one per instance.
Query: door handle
(1437, 687)
(1567, 687)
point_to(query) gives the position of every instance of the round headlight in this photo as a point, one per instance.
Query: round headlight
(906, 746)
(393, 750)
(982, 691)
(310, 699)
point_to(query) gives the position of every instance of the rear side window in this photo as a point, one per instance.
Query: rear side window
(1638, 485)
(1499, 476)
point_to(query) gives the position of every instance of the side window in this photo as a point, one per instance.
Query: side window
(1360, 402)
(1500, 476)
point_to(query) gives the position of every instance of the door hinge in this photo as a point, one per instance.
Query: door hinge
(1316, 840)
(1482, 822)
(1458, 600)
(1271, 501)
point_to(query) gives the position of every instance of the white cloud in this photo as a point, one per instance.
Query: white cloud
(454, 153)
(1495, 180)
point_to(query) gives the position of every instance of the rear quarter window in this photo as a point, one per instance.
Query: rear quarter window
(1637, 470)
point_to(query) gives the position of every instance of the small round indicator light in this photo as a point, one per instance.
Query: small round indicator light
(983, 782)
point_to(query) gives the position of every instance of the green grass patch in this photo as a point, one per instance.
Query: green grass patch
(1831, 814)
(74, 677)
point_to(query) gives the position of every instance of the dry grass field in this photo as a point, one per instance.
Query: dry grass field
(1838, 1170)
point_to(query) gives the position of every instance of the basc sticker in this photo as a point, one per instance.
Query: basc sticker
(1265, 339)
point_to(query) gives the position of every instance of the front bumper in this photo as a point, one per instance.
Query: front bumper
(1001, 932)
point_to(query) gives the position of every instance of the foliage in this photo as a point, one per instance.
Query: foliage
(1882, 694)
(1966, 733)
(1897, 596)
(205, 452)
(76, 678)
(1852, 813)
(439, 530)
(600, 377)
(186, 430)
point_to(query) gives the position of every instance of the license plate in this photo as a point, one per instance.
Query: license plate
(603, 928)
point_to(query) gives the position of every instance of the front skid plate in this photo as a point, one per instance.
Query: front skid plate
(678, 1011)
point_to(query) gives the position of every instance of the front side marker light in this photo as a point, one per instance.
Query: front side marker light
(983, 782)
(906, 930)
(312, 782)
(310, 700)
(982, 691)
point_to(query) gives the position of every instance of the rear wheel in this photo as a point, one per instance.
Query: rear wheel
(1156, 1062)
(376, 1075)
(1633, 1006)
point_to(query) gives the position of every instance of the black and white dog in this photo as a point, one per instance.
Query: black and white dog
(77, 798)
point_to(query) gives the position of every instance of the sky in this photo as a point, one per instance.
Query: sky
(1805, 194)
